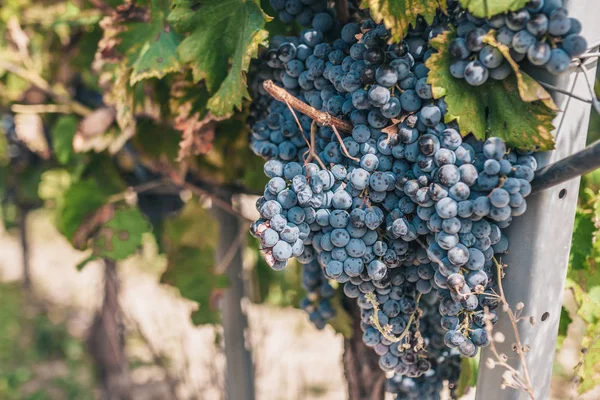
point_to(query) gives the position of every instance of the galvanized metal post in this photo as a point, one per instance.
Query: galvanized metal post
(240, 369)
(540, 240)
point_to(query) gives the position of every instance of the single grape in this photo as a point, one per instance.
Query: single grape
(476, 74)
(559, 61)
(490, 57)
(539, 53)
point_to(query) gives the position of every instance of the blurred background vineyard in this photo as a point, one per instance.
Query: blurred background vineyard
(49, 309)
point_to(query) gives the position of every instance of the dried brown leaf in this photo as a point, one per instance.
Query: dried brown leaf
(197, 134)
(30, 130)
(90, 134)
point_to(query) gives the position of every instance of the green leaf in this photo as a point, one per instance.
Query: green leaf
(80, 200)
(398, 15)
(589, 307)
(223, 36)
(157, 58)
(63, 132)
(150, 47)
(121, 236)
(589, 372)
(494, 109)
(28, 184)
(489, 8)
(588, 369)
(582, 242)
(190, 240)
(157, 141)
(469, 368)
(563, 326)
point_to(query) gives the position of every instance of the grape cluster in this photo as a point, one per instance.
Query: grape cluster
(541, 33)
(445, 361)
(304, 12)
(318, 295)
(402, 211)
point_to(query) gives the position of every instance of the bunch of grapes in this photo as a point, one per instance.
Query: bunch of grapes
(445, 361)
(402, 210)
(541, 33)
(304, 12)
(318, 295)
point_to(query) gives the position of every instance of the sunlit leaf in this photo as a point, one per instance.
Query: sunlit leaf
(489, 8)
(398, 15)
(121, 236)
(529, 89)
(223, 37)
(62, 138)
(150, 47)
(81, 200)
(582, 242)
(493, 109)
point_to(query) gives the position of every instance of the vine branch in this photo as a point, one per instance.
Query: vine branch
(342, 11)
(41, 109)
(39, 82)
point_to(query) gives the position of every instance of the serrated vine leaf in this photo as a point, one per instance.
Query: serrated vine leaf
(494, 109)
(62, 138)
(582, 242)
(589, 373)
(588, 369)
(80, 200)
(223, 37)
(529, 89)
(489, 8)
(398, 15)
(121, 236)
(150, 47)
(190, 240)
(563, 326)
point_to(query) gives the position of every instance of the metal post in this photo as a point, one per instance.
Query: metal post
(240, 370)
(540, 240)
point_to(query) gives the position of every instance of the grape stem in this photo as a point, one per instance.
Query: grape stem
(341, 8)
(322, 118)
(385, 329)
(311, 146)
(344, 149)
